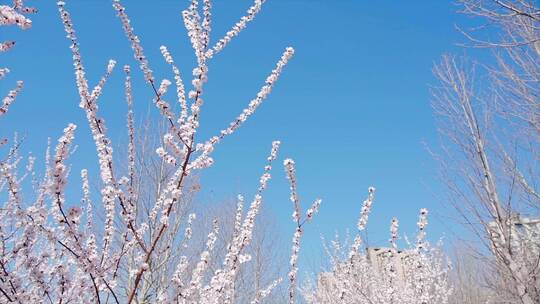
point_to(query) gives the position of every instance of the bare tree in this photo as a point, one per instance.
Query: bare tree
(489, 123)
(471, 276)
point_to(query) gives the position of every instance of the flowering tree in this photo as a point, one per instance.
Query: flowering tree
(59, 253)
(383, 275)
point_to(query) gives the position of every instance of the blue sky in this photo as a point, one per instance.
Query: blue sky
(352, 108)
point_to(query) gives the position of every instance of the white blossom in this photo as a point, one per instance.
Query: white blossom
(383, 275)
(394, 232)
(422, 223)
(13, 16)
(135, 42)
(236, 29)
(366, 209)
(10, 98)
(3, 72)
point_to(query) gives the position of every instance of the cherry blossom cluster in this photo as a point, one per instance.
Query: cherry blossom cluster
(3, 72)
(422, 223)
(261, 96)
(383, 275)
(180, 89)
(265, 292)
(362, 221)
(131, 145)
(59, 171)
(236, 29)
(394, 232)
(6, 46)
(82, 83)
(290, 171)
(10, 98)
(12, 15)
(135, 41)
(366, 209)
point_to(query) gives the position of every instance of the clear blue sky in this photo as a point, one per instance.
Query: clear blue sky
(352, 108)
